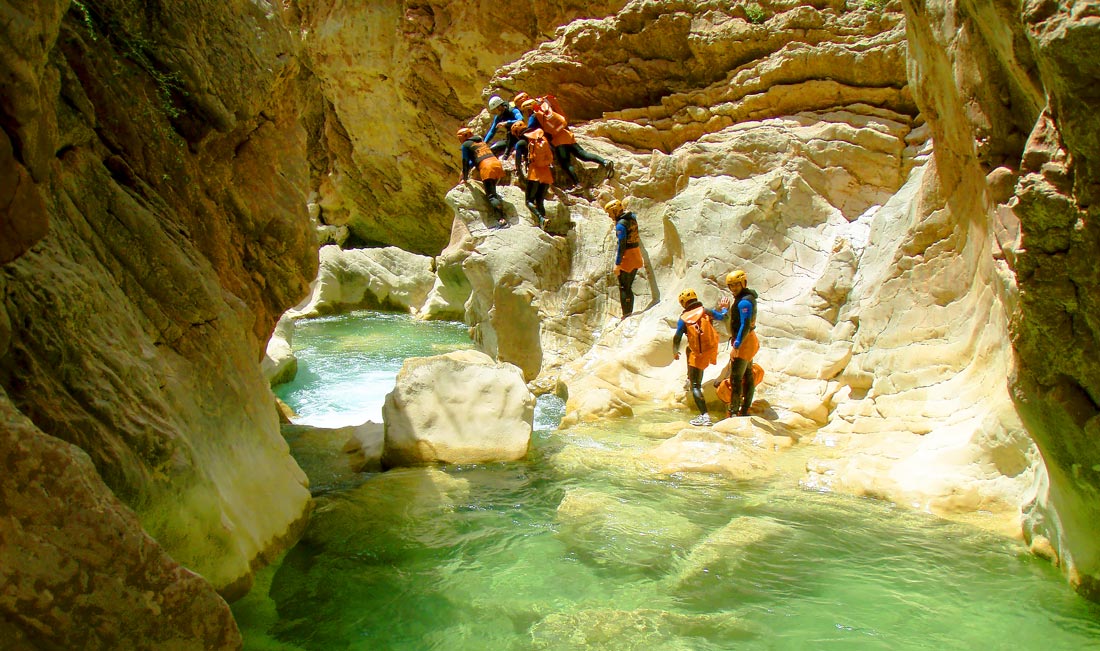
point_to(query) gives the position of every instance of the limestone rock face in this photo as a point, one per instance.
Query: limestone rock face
(795, 150)
(1031, 113)
(387, 278)
(461, 407)
(398, 80)
(173, 180)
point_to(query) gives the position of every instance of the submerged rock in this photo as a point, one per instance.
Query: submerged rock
(615, 532)
(461, 407)
(644, 629)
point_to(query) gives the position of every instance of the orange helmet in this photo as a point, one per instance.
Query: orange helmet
(518, 127)
(465, 133)
(528, 105)
(614, 208)
(520, 98)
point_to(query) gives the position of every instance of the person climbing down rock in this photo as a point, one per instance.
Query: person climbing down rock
(628, 253)
(533, 152)
(565, 144)
(696, 323)
(476, 152)
(744, 345)
(504, 116)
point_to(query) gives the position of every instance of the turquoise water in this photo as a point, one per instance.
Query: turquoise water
(581, 548)
(347, 363)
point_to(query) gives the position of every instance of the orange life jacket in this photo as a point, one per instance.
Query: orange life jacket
(555, 124)
(702, 337)
(482, 151)
(539, 151)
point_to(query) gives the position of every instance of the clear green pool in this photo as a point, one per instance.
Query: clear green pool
(575, 549)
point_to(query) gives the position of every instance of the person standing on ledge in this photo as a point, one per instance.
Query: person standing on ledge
(534, 156)
(628, 252)
(696, 323)
(744, 345)
(476, 152)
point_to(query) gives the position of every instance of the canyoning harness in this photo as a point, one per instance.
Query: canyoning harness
(736, 332)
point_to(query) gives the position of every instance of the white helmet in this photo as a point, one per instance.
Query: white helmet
(495, 102)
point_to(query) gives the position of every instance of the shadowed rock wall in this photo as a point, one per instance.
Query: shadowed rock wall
(154, 229)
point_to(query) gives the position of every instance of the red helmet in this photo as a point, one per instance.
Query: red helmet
(464, 133)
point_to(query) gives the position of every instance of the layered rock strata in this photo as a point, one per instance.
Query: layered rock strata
(155, 231)
(794, 148)
(398, 80)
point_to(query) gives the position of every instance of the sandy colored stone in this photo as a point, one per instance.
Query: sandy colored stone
(175, 194)
(461, 407)
(382, 278)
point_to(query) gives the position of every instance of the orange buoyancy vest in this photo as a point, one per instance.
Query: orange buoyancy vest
(702, 337)
(488, 165)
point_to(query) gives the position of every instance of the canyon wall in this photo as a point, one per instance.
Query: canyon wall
(154, 227)
(398, 79)
(904, 194)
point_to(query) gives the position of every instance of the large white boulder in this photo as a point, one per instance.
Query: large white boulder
(461, 407)
(386, 278)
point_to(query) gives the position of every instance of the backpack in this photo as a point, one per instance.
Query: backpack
(552, 102)
(701, 335)
(551, 120)
(725, 389)
(540, 153)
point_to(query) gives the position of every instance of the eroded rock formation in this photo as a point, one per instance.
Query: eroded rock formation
(155, 230)
(398, 78)
(897, 223)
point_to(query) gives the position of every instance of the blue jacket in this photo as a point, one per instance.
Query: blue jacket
(505, 118)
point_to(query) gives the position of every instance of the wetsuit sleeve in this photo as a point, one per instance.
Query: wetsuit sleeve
(492, 127)
(533, 122)
(467, 161)
(620, 235)
(718, 315)
(744, 307)
(681, 329)
(521, 151)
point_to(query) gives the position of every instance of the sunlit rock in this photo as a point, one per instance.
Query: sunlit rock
(364, 447)
(461, 407)
(279, 364)
(386, 278)
(709, 450)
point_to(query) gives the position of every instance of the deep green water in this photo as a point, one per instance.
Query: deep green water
(576, 549)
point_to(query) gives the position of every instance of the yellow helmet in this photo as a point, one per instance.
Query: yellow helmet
(528, 105)
(465, 133)
(737, 277)
(688, 296)
(614, 208)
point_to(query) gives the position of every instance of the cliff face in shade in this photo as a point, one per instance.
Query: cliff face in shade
(154, 226)
(398, 79)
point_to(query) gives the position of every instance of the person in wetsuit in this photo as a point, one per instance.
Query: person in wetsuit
(744, 345)
(628, 252)
(696, 323)
(476, 153)
(505, 116)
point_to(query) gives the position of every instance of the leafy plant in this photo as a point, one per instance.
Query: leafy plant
(755, 13)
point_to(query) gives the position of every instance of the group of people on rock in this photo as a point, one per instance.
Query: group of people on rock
(738, 380)
(740, 376)
(536, 133)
